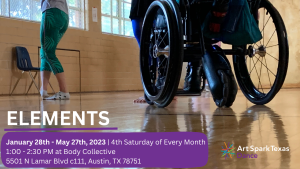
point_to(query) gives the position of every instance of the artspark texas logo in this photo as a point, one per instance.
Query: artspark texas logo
(227, 151)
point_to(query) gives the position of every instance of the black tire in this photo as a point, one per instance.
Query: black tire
(148, 100)
(232, 90)
(246, 80)
(224, 94)
(161, 29)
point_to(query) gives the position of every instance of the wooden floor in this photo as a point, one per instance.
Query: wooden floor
(277, 123)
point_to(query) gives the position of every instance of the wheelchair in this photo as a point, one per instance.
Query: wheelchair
(172, 34)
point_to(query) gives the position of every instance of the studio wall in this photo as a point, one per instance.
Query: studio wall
(107, 62)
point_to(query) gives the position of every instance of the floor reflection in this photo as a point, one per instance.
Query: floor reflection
(49, 106)
(276, 124)
(224, 126)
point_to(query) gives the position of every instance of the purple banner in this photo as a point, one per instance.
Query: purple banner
(61, 149)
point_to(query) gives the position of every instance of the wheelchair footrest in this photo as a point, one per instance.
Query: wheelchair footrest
(181, 92)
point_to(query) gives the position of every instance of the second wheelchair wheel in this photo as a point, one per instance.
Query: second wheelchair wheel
(161, 53)
(262, 70)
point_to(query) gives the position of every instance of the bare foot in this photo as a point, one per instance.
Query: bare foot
(139, 100)
(142, 100)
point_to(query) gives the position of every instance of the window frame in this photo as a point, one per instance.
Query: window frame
(118, 17)
(6, 12)
(31, 11)
(82, 10)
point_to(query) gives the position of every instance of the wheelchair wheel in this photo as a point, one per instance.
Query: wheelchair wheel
(262, 70)
(161, 53)
(148, 100)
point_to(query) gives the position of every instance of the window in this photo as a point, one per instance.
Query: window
(25, 9)
(76, 13)
(4, 7)
(31, 10)
(115, 17)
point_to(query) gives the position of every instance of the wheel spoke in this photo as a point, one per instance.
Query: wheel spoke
(268, 74)
(267, 68)
(271, 46)
(264, 29)
(249, 67)
(161, 62)
(260, 77)
(164, 43)
(157, 37)
(272, 56)
(165, 67)
(257, 75)
(162, 39)
(271, 37)
(266, 24)
(253, 66)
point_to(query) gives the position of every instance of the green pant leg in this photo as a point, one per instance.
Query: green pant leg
(53, 22)
(44, 65)
(65, 26)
